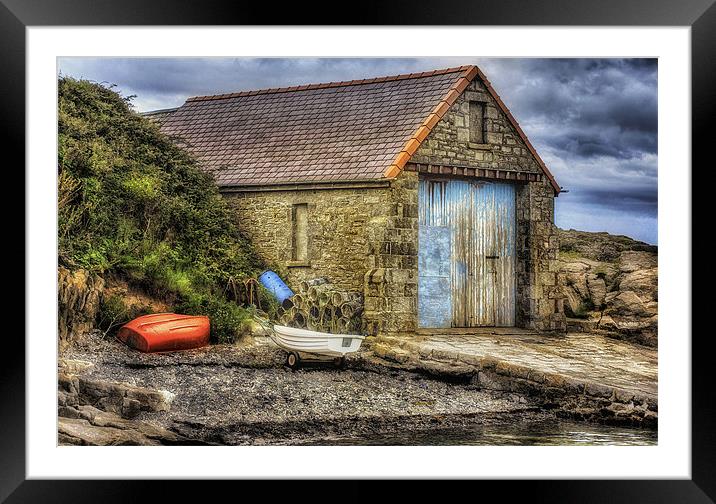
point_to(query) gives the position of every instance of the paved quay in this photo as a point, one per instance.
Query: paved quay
(584, 375)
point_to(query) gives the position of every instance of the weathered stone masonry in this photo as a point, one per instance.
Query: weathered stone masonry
(339, 230)
(391, 285)
(366, 239)
(347, 158)
(361, 239)
(449, 142)
(540, 300)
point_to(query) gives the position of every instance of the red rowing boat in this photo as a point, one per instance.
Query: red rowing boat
(165, 332)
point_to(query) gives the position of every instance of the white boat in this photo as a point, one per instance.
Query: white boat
(312, 342)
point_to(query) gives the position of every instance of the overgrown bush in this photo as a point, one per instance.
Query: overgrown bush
(130, 202)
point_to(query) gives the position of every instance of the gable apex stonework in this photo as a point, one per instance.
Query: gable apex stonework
(444, 138)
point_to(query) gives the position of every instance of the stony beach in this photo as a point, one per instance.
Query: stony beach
(243, 394)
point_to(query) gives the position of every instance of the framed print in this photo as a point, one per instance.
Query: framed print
(422, 251)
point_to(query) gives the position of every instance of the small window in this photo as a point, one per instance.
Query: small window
(299, 217)
(477, 122)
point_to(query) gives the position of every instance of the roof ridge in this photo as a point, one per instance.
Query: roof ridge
(158, 111)
(465, 69)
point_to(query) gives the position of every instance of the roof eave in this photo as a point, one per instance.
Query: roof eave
(306, 185)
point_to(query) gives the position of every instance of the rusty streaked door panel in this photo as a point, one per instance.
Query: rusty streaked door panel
(480, 253)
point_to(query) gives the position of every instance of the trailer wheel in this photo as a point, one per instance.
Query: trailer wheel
(340, 362)
(293, 361)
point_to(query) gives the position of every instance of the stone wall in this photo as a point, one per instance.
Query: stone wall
(617, 297)
(366, 240)
(540, 298)
(339, 231)
(449, 142)
(391, 285)
(79, 293)
(361, 239)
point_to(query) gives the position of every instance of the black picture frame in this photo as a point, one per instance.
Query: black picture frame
(700, 15)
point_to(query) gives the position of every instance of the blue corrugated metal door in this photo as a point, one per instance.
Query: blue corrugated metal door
(466, 254)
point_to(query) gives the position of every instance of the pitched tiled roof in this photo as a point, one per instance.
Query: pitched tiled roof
(325, 132)
(332, 132)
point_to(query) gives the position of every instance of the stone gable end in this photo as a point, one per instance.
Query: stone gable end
(449, 142)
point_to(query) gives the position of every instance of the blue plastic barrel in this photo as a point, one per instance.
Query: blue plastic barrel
(277, 287)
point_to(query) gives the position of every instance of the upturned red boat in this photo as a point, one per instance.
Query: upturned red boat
(165, 332)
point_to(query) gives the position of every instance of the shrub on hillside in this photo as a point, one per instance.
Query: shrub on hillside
(131, 202)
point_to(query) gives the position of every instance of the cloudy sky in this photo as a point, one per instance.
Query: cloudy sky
(593, 121)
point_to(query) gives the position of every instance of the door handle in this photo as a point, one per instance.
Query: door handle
(492, 257)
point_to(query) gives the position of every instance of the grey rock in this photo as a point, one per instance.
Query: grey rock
(74, 366)
(573, 298)
(627, 303)
(123, 398)
(636, 260)
(616, 276)
(111, 430)
(643, 282)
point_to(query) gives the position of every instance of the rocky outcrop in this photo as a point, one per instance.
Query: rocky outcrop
(602, 247)
(87, 425)
(98, 412)
(610, 286)
(79, 294)
(121, 398)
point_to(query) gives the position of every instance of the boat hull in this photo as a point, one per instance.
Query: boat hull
(302, 340)
(166, 332)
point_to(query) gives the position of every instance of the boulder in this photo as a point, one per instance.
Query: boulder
(610, 296)
(625, 304)
(572, 298)
(643, 282)
(93, 411)
(578, 281)
(73, 366)
(120, 398)
(577, 266)
(597, 290)
(612, 280)
(643, 330)
(100, 428)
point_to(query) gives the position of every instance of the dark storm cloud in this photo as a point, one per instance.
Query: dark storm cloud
(593, 121)
(601, 106)
(167, 82)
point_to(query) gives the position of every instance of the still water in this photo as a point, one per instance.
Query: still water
(546, 433)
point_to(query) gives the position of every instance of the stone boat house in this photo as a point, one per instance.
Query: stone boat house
(421, 191)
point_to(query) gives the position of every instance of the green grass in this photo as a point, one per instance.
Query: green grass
(131, 203)
(569, 254)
